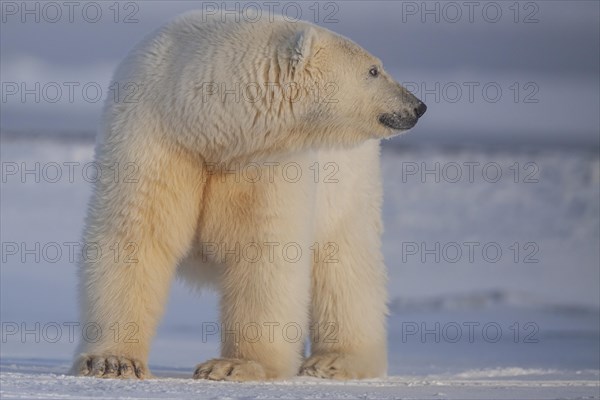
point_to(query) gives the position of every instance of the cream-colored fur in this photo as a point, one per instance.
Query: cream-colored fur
(193, 194)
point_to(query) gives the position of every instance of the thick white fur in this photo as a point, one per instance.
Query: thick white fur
(178, 204)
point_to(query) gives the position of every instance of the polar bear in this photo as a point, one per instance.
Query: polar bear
(243, 154)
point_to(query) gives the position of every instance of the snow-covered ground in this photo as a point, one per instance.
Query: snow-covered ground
(494, 281)
(44, 382)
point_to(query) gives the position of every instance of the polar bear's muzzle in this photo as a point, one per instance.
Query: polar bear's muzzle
(403, 120)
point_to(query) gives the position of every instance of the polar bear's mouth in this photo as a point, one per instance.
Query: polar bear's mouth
(396, 121)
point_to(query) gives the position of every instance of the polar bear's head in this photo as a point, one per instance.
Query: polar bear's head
(250, 88)
(347, 95)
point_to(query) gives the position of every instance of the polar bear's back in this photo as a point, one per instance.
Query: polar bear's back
(207, 46)
(178, 60)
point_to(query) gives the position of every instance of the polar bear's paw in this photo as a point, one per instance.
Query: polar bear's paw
(108, 366)
(230, 369)
(332, 366)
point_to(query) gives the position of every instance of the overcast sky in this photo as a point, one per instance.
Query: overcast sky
(543, 56)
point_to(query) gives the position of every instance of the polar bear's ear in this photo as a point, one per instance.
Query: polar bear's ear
(302, 46)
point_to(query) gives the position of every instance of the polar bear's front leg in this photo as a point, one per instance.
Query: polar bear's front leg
(348, 308)
(140, 224)
(261, 236)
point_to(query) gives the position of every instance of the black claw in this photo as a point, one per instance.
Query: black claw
(138, 370)
(88, 365)
(124, 369)
(99, 367)
(112, 367)
(201, 372)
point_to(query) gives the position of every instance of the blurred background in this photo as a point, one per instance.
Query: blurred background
(491, 206)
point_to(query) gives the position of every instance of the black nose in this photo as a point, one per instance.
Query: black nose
(420, 109)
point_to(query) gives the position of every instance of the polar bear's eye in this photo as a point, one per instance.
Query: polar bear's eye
(374, 72)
